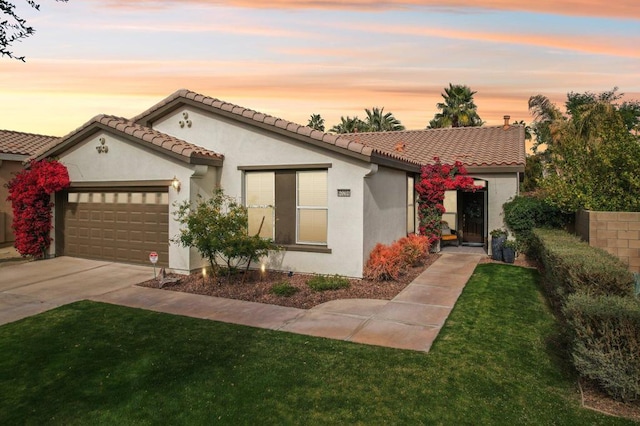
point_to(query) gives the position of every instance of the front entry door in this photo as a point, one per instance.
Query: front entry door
(473, 209)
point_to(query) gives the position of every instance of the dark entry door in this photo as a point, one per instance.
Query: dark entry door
(473, 209)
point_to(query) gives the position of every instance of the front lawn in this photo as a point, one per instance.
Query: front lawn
(495, 362)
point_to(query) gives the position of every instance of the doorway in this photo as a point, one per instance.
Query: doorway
(473, 209)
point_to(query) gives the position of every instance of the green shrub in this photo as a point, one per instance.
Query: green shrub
(571, 265)
(524, 213)
(606, 342)
(284, 289)
(327, 282)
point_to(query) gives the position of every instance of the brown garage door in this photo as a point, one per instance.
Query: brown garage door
(123, 226)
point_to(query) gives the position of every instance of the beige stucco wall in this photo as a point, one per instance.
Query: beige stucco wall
(129, 162)
(385, 211)
(616, 232)
(245, 146)
(8, 170)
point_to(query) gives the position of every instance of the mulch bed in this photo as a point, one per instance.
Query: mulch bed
(257, 287)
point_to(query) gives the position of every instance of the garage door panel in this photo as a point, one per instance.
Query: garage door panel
(117, 226)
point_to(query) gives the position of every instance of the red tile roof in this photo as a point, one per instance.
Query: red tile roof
(20, 143)
(141, 134)
(473, 146)
(490, 146)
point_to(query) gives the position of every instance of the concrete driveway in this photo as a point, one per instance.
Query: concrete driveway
(30, 288)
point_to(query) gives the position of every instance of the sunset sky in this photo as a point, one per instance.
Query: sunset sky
(294, 58)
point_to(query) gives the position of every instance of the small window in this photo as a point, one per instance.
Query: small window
(411, 205)
(260, 199)
(311, 206)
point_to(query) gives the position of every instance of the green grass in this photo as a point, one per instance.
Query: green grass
(495, 362)
(284, 289)
(327, 282)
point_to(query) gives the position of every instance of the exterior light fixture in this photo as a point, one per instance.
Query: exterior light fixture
(175, 183)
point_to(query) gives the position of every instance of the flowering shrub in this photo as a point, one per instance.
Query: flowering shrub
(435, 179)
(385, 263)
(30, 195)
(389, 262)
(414, 249)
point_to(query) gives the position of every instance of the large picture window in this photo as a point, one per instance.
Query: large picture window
(293, 203)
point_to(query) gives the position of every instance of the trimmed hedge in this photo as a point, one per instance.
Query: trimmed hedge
(571, 265)
(606, 342)
(592, 291)
(524, 213)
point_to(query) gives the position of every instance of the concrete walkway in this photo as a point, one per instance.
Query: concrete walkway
(412, 320)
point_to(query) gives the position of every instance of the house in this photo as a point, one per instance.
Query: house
(327, 199)
(15, 148)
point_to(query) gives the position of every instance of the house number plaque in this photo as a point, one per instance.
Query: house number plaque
(344, 193)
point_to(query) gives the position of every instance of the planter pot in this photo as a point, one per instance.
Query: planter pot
(497, 243)
(508, 254)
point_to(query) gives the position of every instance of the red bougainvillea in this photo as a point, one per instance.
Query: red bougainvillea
(30, 195)
(435, 179)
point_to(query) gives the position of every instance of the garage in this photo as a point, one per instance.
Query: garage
(120, 226)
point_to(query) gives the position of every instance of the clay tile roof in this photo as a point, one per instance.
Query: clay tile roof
(20, 143)
(473, 146)
(144, 135)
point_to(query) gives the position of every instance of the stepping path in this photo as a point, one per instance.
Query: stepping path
(411, 320)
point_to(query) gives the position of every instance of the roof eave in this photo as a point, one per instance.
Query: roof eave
(386, 161)
(492, 168)
(147, 120)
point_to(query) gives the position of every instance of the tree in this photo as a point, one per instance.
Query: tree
(594, 158)
(377, 121)
(457, 110)
(14, 28)
(350, 125)
(527, 129)
(532, 173)
(218, 229)
(316, 122)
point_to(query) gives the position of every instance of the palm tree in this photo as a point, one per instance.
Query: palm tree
(547, 121)
(316, 122)
(527, 129)
(457, 110)
(350, 125)
(377, 121)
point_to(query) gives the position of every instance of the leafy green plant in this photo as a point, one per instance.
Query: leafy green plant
(284, 289)
(496, 233)
(606, 342)
(327, 282)
(524, 213)
(217, 228)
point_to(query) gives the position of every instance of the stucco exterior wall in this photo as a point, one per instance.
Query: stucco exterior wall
(616, 232)
(129, 162)
(8, 170)
(385, 208)
(245, 146)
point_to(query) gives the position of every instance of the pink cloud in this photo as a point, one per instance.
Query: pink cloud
(626, 9)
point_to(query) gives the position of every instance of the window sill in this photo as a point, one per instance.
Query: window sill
(305, 247)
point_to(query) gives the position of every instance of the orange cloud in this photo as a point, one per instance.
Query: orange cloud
(625, 9)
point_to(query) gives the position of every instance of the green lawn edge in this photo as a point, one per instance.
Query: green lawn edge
(497, 360)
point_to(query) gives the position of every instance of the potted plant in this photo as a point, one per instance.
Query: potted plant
(509, 251)
(498, 238)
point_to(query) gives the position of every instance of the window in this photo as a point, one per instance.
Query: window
(411, 205)
(293, 204)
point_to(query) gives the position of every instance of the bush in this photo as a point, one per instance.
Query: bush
(284, 289)
(414, 249)
(385, 263)
(571, 265)
(327, 282)
(606, 342)
(524, 213)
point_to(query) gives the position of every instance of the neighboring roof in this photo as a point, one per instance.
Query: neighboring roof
(22, 144)
(342, 143)
(141, 135)
(476, 147)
